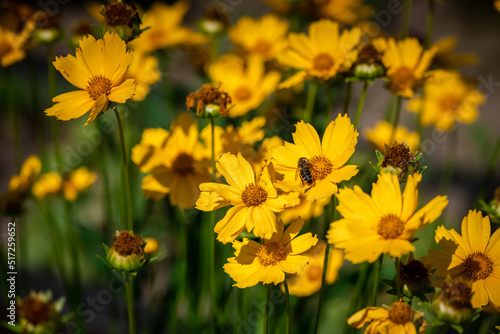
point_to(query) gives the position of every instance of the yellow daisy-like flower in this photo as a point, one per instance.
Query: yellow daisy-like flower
(253, 197)
(267, 263)
(265, 37)
(177, 163)
(144, 70)
(398, 319)
(247, 85)
(49, 184)
(70, 185)
(446, 57)
(406, 62)
(474, 255)
(305, 209)
(380, 135)
(343, 11)
(383, 223)
(447, 99)
(324, 160)
(99, 70)
(12, 45)
(308, 281)
(322, 54)
(165, 29)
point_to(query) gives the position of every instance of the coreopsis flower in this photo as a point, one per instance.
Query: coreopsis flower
(211, 101)
(473, 255)
(247, 85)
(253, 197)
(70, 185)
(165, 29)
(447, 99)
(397, 319)
(452, 303)
(127, 253)
(398, 160)
(368, 65)
(343, 11)
(12, 45)
(265, 37)
(144, 70)
(406, 61)
(152, 247)
(322, 54)
(446, 58)
(305, 209)
(38, 313)
(308, 281)
(497, 5)
(121, 18)
(281, 253)
(177, 165)
(380, 136)
(324, 160)
(98, 70)
(383, 223)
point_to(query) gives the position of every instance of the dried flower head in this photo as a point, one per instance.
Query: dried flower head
(211, 101)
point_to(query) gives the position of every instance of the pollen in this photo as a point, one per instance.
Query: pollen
(261, 47)
(321, 167)
(127, 244)
(478, 266)
(390, 227)
(242, 94)
(400, 313)
(253, 195)
(183, 164)
(271, 254)
(99, 85)
(323, 62)
(402, 79)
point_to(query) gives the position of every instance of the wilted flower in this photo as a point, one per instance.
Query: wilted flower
(453, 303)
(211, 101)
(127, 252)
(39, 314)
(121, 18)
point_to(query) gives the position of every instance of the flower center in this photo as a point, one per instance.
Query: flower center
(118, 13)
(127, 244)
(270, 254)
(399, 155)
(242, 94)
(402, 79)
(390, 227)
(99, 85)
(314, 272)
(400, 313)
(478, 266)
(321, 167)
(253, 195)
(183, 164)
(261, 47)
(35, 310)
(450, 103)
(323, 62)
(457, 292)
(5, 48)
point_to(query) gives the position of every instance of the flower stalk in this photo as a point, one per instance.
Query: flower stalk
(361, 104)
(311, 99)
(395, 121)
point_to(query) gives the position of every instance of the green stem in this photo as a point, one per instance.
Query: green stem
(214, 49)
(212, 123)
(361, 104)
(377, 267)
(130, 306)
(347, 101)
(288, 314)
(211, 241)
(14, 118)
(450, 161)
(322, 290)
(396, 119)
(390, 109)
(127, 201)
(405, 25)
(492, 165)
(357, 291)
(56, 137)
(397, 264)
(443, 329)
(311, 98)
(429, 23)
(266, 314)
(329, 105)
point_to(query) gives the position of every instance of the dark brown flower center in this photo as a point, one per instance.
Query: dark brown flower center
(35, 310)
(402, 79)
(119, 13)
(323, 62)
(400, 313)
(321, 167)
(127, 244)
(261, 47)
(183, 164)
(390, 227)
(398, 155)
(99, 85)
(271, 254)
(209, 94)
(478, 266)
(369, 55)
(253, 195)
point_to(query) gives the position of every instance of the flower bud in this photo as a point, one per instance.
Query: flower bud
(214, 22)
(121, 18)
(127, 253)
(211, 101)
(415, 278)
(398, 160)
(453, 303)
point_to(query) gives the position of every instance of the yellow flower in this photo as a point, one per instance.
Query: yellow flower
(380, 135)
(398, 319)
(164, 28)
(99, 70)
(308, 281)
(267, 263)
(343, 11)
(305, 209)
(12, 45)
(177, 163)
(447, 99)
(253, 198)
(264, 37)
(144, 70)
(70, 185)
(497, 7)
(49, 184)
(247, 85)
(446, 58)
(322, 54)
(325, 159)
(406, 62)
(383, 223)
(474, 255)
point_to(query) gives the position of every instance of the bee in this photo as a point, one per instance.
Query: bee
(304, 171)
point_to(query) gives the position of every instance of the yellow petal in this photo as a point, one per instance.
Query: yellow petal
(301, 243)
(294, 263)
(306, 136)
(229, 227)
(236, 170)
(343, 173)
(479, 294)
(476, 231)
(386, 193)
(291, 232)
(73, 70)
(339, 141)
(410, 196)
(294, 80)
(322, 189)
(122, 92)
(154, 189)
(360, 318)
(101, 104)
(271, 274)
(355, 204)
(264, 221)
(71, 105)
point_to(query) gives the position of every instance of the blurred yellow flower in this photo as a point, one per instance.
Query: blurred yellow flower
(398, 319)
(322, 54)
(308, 281)
(152, 246)
(265, 37)
(474, 255)
(281, 253)
(380, 135)
(165, 29)
(247, 85)
(446, 58)
(253, 198)
(383, 223)
(325, 159)
(70, 185)
(144, 70)
(147, 154)
(406, 61)
(343, 11)
(12, 45)
(49, 184)
(497, 6)
(305, 209)
(99, 70)
(447, 99)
